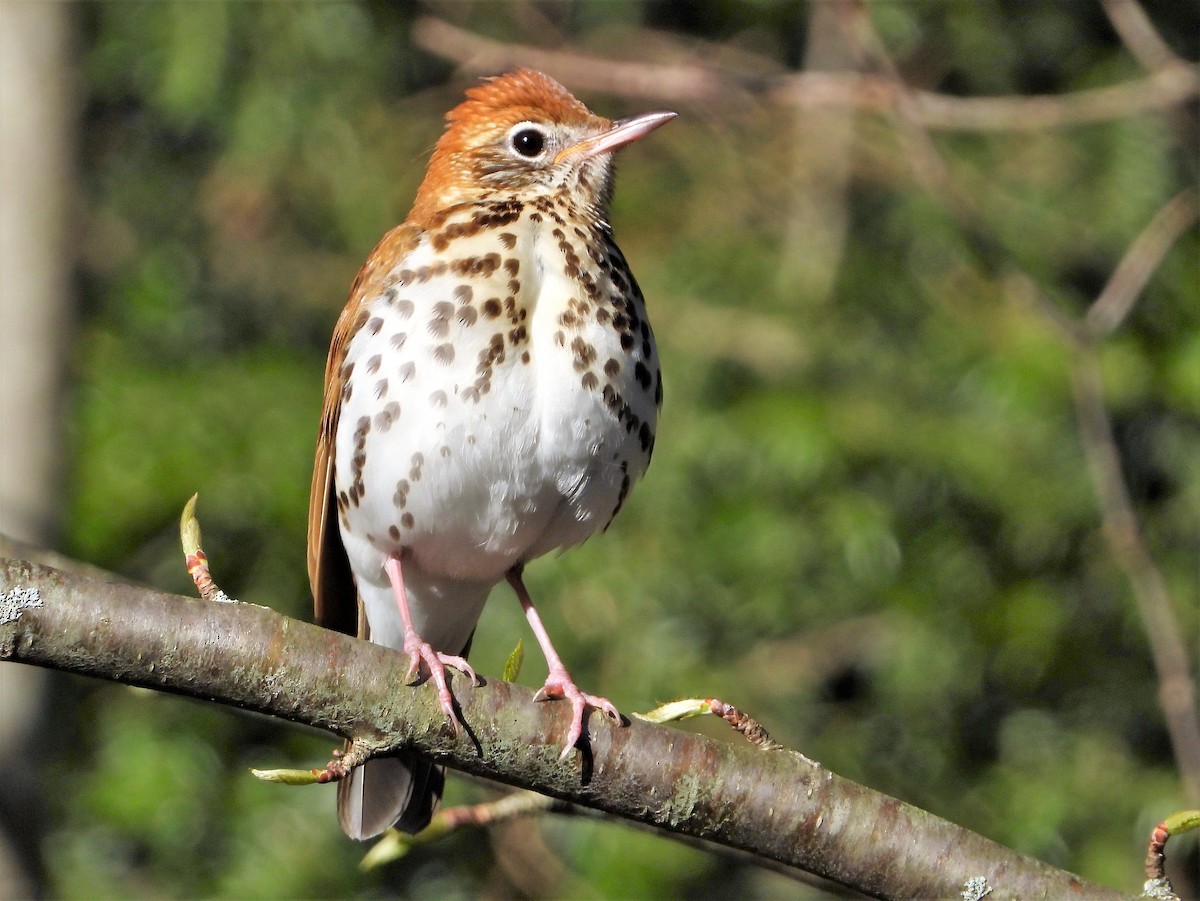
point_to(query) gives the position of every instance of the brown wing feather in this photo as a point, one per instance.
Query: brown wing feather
(335, 600)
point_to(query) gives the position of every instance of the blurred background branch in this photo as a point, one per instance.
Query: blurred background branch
(1138, 33)
(691, 80)
(1138, 265)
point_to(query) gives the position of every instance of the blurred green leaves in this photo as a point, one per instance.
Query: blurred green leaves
(868, 521)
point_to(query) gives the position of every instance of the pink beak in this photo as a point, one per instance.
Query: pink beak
(624, 131)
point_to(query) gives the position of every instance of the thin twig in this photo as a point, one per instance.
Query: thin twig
(1139, 35)
(1139, 264)
(194, 557)
(1122, 531)
(752, 729)
(1158, 886)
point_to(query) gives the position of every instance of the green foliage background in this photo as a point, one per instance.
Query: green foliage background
(868, 521)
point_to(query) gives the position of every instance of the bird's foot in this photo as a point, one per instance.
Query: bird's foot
(560, 685)
(436, 662)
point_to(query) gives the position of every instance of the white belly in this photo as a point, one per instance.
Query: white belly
(482, 440)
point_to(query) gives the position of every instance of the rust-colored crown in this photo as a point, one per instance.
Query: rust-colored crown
(519, 95)
(489, 111)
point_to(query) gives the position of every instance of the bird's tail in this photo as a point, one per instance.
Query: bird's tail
(401, 791)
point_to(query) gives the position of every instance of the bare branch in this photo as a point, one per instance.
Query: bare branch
(1139, 35)
(1166, 87)
(621, 78)
(1176, 686)
(1139, 263)
(775, 805)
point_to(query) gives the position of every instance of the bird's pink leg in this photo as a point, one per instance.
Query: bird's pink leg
(419, 649)
(559, 683)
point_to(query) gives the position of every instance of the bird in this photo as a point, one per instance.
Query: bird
(491, 395)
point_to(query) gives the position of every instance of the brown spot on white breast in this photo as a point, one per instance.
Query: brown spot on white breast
(482, 266)
(388, 415)
(585, 354)
(439, 325)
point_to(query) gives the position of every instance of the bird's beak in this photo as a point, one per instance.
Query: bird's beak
(624, 131)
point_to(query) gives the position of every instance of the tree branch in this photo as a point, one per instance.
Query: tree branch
(1172, 83)
(773, 804)
(1140, 262)
(1122, 531)
(1138, 33)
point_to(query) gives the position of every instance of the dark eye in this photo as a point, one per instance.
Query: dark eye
(529, 142)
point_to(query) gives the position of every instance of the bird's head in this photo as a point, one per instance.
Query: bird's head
(523, 135)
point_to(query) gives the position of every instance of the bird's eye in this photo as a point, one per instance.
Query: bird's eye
(529, 142)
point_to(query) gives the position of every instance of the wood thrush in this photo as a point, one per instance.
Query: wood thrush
(491, 395)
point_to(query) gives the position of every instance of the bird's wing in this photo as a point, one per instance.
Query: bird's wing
(335, 600)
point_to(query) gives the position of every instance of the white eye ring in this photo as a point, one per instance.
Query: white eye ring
(528, 141)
